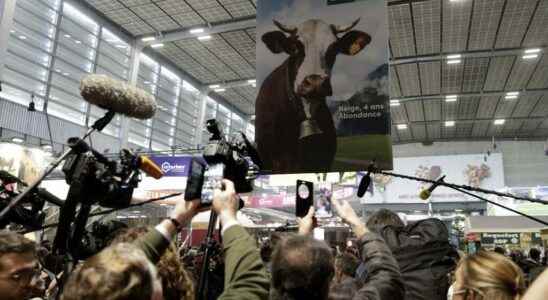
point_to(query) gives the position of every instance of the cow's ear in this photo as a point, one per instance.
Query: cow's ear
(353, 42)
(275, 41)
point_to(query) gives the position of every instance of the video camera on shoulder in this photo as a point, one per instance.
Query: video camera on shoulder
(235, 160)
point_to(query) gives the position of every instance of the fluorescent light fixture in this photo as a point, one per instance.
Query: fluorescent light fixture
(121, 46)
(204, 37)
(512, 93)
(500, 122)
(46, 147)
(220, 90)
(159, 45)
(453, 61)
(148, 39)
(196, 30)
(67, 36)
(511, 97)
(454, 56)
(17, 140)
(78, 42)
(22, 37)
(12, 31)
(254, 85)
(451, 98)
(449, 123)
(531, 51)
(66, 74)
(530, 56)
(252, 81)
(214, 86)
(394, 102)
(401, 126)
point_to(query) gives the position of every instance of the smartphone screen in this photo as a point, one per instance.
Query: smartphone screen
(195, 180)
(304, 197)
(213, 179)
(322, 203)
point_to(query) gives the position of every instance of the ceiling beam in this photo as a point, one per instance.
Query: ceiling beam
(465, 95)
(473, 121)
(501, 137)
(465, 54)
(232, 84)
(208, 30)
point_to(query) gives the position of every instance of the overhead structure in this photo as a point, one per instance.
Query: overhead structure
(488, 56)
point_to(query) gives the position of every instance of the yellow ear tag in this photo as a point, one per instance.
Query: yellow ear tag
(355, 48)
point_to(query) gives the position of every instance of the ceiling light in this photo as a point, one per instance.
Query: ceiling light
(511, 97)
(254, 85)
(394, 102)
(66, 74)
(47, 147)
(214, 86)
(196, 30)
(451, 98)
(17, 140)
(453, 61)
(401, 126)
(148, 39)
(454, 56)
(22, 37)
(121, 46)
(159, 45)
(78, 42)
(449, 123)
(500, 122)
(220, 90)
(204, 37)
(530, 56)
(12, 31)
(512, 93)
(531, 51)
(252, 81)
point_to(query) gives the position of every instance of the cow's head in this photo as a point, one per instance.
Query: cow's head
(314, 46)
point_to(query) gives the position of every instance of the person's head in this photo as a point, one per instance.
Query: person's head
(488, 275)
(346, 265)
(19, 267)
(384, 217)
(119, 272)
(176, 282)
(534, 254)
(266, 251)
(302, 268)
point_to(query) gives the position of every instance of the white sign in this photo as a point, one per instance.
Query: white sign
(473, 170)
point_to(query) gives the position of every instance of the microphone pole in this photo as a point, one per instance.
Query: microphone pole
(97, 126)
(202, 290)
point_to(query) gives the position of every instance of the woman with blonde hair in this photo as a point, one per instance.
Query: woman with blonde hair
(488, 276)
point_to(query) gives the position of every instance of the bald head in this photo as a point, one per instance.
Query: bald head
(302, 268)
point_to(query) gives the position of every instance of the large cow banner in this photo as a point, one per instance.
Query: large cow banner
(322, 71)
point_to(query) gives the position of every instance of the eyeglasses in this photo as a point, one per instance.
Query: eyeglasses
(25, 277)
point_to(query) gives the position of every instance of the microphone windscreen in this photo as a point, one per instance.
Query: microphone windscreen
(425, 194)
(364, 184)
(117, 96)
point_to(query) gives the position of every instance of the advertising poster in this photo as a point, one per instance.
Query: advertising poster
(322, 71)
(470, 169)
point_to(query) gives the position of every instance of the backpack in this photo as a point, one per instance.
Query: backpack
(425, 257)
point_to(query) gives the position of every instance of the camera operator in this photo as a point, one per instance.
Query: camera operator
(302, 267)
(123, 271)
(19, 268)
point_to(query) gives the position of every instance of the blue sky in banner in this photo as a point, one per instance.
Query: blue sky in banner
(347, 69)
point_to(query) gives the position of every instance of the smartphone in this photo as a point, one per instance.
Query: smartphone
(213, 179)
(322, 203)
(203, 180)
(304, 197)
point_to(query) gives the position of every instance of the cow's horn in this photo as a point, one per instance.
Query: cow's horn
(287, 29)
(340, 29)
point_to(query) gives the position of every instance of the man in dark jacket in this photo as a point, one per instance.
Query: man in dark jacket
(345, 284)
(302, 268)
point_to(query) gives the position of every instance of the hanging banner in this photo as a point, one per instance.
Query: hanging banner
(173, 166)
(322, 69)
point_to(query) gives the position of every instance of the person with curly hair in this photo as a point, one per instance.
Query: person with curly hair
(177, 283)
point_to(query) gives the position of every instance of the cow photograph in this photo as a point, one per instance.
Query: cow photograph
(323, 100)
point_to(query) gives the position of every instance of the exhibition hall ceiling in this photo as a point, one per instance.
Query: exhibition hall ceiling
(460, 69)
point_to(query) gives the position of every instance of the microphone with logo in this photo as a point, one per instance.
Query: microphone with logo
(426, 193)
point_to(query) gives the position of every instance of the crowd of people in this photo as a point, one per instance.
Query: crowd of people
(388, 260)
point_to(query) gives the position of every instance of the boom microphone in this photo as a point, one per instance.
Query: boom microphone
(117, 96)
(366, 180)
(425, 194)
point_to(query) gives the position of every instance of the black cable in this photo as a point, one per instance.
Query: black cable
(461, 187)
(108, 211)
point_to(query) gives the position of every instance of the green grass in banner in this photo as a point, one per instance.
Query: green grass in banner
(356, 151)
